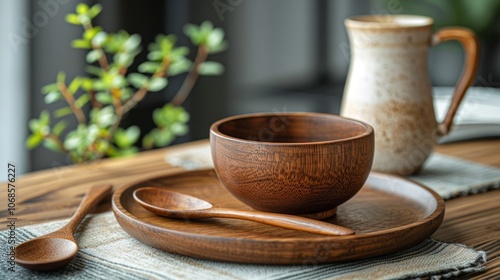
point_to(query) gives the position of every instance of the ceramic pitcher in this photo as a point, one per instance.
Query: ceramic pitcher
(388, 86)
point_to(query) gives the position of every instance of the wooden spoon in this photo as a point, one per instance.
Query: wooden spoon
(57, 249)
(172, 204)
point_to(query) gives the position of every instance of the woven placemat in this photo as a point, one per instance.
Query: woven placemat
(451, 177)
(107, 252)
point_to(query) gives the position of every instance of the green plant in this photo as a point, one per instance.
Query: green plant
(100, 100)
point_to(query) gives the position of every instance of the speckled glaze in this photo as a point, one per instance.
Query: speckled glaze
(388, 86)
(292, 163)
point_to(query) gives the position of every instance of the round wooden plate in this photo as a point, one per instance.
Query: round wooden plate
(389, 214)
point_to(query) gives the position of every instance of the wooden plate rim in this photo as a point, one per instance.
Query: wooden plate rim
(121, 211)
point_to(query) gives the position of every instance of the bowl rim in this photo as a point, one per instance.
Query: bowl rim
(214, 128)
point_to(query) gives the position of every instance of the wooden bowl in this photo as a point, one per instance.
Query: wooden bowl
(294, 163)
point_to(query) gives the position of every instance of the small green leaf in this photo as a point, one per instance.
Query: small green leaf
(206, 27)
(82, 100)
(93, 131)
(104, 98)
(99, 38)
(44, 118)
(190, 30)
(180, 52)
(114, 42)
(126, 138)
(182, 115)
(52, 97)
(137, 80)
(179, 129)
(124, 59)
(94, 10)
(105, 116)
(111, 151)
(149, 67)
(215, 38)
(148, 141)
(94, 70)
(133, 133)
(159, 118)
(100, 85)
(87, 84)
(126, 93)
(155, 56)
(179, 66)
(90, 33)
(120, 138)
(49, 88)
(75, 84)
(199, 35)
(157, 84)
(93, 56)
(218, 48)
(62, 112)
(72, 141)
(72, 19)
(132, 42)
(168, 115)
(102, 146)
(34, 140)
(84, 19)
(61, 77)
(81, 44)
(59, 127)
(82, 8)
(154, 46)
(34, 125)
(164, 137)
(119, 81)
(167, 43)
(210, 68)
(51, 144)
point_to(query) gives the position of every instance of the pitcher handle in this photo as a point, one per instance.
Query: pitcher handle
(471, 47)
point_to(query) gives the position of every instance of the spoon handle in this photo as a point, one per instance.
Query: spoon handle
(284, 221)
(92, 197)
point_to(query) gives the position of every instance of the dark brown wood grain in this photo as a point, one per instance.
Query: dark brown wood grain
(58, 248)
(388, 214)
(292, 163)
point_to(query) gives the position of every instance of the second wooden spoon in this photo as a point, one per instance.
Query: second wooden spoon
(58, 248)
(172, 204)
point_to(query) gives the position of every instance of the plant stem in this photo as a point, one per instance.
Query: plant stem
(118, 110)
(136, 98)
(93, 100)
(80, 116)
(191, 78)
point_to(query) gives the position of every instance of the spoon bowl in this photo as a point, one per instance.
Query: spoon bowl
(58, 248)
(59, 251)
(172, 204)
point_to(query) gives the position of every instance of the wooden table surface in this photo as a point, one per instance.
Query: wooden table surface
(55, 193)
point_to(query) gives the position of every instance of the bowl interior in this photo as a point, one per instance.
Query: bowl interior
(290, 128)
